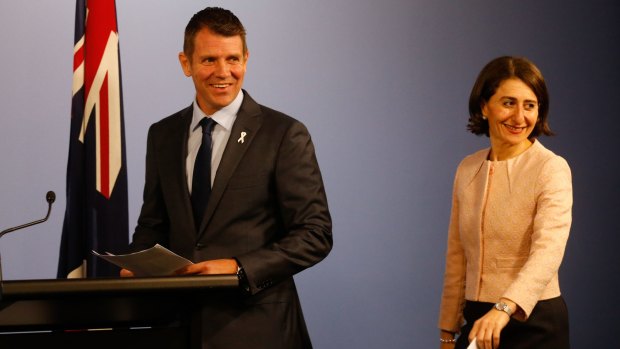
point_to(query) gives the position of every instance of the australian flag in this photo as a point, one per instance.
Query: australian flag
(96, 217)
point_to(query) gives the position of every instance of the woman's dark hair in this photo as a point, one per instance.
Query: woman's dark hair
(489, 79)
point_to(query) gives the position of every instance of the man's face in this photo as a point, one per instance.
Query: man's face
(217, 68)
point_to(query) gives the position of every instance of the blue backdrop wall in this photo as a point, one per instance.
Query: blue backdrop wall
(383, 88)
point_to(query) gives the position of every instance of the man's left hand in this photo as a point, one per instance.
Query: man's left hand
(216, 266)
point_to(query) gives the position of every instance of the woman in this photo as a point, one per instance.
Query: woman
(511, 215)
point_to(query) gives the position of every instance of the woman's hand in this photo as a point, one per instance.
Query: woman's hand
(487, 329)
(446, 335)
(447, 345)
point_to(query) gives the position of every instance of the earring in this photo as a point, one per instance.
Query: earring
(484, 117)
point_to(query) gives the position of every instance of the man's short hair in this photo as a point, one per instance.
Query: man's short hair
(218, 20)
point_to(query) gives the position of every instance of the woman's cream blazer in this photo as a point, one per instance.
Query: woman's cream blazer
(508, 230)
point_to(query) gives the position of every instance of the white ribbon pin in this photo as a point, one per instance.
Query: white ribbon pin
(242, 138)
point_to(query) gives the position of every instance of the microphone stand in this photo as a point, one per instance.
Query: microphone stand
(50, 197)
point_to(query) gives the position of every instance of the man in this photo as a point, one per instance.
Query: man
(266, 217)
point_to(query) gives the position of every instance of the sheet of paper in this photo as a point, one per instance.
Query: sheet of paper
(472, 345)
(155, 261)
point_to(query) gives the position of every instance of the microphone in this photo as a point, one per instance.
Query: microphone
(50, 197)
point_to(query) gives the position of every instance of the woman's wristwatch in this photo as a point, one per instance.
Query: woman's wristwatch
(501, 306)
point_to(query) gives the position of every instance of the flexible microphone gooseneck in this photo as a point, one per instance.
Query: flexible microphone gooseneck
(50, 197)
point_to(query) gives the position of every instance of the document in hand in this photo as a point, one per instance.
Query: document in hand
(155, 261)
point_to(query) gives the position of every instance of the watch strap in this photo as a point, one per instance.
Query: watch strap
(242, 277)
(501, 306)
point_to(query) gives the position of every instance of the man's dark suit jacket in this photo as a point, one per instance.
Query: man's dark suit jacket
(267, 209)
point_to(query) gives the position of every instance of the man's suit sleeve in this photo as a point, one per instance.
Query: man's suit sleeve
(152, 223)
(303, 210)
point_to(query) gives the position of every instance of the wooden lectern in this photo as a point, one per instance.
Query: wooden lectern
(106, 313)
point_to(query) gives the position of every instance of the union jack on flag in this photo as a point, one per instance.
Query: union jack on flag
(96, 217)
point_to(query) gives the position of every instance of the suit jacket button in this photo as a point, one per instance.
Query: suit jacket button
(200, 246)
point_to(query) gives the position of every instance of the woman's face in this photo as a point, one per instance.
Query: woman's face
(512, 113)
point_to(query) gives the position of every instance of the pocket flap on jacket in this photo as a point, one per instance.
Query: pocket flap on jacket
(510, 262)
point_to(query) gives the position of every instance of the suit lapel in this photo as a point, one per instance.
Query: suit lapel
(248, 120)
(175, 148)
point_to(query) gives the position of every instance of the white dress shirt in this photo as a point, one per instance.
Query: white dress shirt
(225, 118)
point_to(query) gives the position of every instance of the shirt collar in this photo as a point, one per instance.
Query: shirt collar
(224, 117)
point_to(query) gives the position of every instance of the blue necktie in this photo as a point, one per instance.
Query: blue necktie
(201, 180)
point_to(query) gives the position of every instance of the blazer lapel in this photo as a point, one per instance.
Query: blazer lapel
(175, 150)
(246, 126)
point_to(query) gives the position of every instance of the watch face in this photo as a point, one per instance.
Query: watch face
(503, 307)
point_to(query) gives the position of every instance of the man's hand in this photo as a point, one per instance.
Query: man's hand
(126, 273)
(216, 266)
